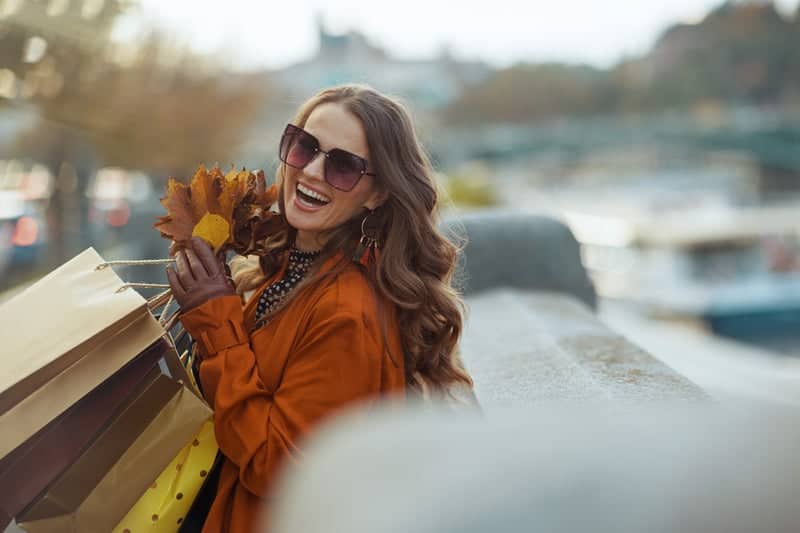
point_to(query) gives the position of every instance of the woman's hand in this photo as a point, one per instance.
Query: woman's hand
(200, 276)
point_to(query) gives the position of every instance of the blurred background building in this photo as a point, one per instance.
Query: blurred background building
(431, 84)
(677, 164)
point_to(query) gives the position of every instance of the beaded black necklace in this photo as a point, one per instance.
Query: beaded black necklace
(299, 264)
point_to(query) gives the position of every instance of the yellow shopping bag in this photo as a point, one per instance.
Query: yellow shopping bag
(164, 506)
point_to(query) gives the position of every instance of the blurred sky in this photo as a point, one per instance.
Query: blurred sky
(257, 33)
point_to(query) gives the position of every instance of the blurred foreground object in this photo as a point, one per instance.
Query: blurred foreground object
(557, 468)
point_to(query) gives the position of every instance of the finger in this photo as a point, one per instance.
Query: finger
(185, 274)
(198, 268)
(206, 255)
(175, 284)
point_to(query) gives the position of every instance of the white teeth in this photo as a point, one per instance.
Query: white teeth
(312, 194)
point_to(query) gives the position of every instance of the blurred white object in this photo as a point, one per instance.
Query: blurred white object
(556, 468)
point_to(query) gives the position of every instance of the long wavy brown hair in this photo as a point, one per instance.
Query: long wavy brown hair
(415, 266)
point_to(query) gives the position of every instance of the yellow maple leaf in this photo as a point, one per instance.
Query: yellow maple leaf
(214, 229)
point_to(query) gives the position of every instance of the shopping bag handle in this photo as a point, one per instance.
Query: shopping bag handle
(167, 319)
(163, 299)
(134, 262)
(138, 262)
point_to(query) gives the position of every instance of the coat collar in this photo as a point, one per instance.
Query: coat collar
(249, 309)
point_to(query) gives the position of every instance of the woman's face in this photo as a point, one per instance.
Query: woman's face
(335, 127)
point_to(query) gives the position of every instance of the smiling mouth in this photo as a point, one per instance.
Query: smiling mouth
(310, 197)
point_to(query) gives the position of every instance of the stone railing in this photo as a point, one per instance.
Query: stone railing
(523, 347)
(530, 333)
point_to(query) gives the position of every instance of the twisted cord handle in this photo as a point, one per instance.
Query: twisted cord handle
(141, 262)
(126, 286)
(134, 262)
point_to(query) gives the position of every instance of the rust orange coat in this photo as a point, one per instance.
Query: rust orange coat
(323, 351)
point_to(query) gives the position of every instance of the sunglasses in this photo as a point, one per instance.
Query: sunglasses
(342, 169)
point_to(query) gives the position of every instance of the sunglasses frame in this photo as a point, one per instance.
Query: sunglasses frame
(292, 130)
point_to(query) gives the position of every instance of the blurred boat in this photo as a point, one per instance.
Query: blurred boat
(734, 269)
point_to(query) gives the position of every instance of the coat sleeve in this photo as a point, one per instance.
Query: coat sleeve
(335, 362)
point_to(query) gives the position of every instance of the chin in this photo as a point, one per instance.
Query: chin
(301, 221)
(298, 220)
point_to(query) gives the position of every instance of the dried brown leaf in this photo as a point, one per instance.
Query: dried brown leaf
(205, 189)
(179, 221)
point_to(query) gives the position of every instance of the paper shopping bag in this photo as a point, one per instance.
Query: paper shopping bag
(38, 462)
(62, 337)
(99, 489)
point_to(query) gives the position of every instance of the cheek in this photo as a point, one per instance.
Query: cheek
(286, 196)
(351, 207)
(361, 195)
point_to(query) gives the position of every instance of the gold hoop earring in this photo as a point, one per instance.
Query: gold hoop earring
(368, 244)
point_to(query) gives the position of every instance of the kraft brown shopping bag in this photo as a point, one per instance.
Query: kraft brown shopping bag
(99, 488)
(38, 462)
(61, 338)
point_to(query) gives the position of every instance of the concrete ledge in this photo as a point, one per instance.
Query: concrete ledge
(525, 347)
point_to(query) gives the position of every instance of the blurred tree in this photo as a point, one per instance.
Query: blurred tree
(743, 52)
(153, 106)
(161, 120)
(48, 47)
(526, 92)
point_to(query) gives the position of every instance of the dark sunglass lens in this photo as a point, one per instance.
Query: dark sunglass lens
(343, 169)
(299, 149)
(286, 143)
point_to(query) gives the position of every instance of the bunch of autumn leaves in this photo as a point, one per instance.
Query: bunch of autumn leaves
(229, 211)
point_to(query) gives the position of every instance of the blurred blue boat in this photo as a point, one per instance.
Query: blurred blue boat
(736, 270)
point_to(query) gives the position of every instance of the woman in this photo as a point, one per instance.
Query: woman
(353, 301)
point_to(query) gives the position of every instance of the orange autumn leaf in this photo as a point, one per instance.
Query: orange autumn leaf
(230, 211)
(179, 221)
(230, 195)
(232, 175)
(204, 192)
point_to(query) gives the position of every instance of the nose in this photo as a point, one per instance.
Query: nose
(316, 167)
